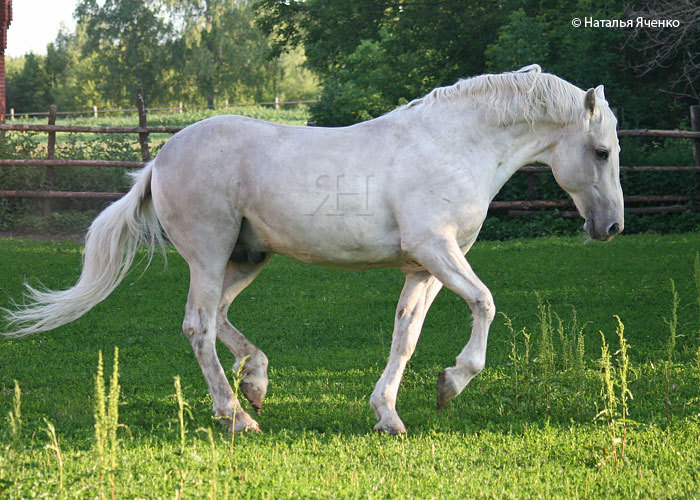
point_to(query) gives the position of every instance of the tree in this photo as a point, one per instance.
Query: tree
(674, 49)
(520, 42)
(357, 91)
(29, 89)
(132, 39)
(429, 43)
(423, 43)
(329, 30)
(586, 57)
(224, 54)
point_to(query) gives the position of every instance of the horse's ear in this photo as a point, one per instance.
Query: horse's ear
(600, 92)
(590, 103)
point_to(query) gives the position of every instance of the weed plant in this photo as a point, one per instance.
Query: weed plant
(56, 448)
(671, 345)
(106, 424)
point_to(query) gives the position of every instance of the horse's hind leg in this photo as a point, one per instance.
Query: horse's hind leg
(200, 327)
(254, 386)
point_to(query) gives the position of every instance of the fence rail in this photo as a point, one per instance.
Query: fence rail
(29, 127)
(563, 208)
(96, 111)
(676, 134)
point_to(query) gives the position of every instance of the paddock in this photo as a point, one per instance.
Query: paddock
(327, 334)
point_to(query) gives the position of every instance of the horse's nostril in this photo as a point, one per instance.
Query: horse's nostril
(613, 229)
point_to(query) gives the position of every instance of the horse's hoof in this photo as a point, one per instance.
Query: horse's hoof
(250, 428)
(446, 390)
(390, 426)
(245, 423)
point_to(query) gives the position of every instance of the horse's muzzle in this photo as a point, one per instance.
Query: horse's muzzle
(597, 232)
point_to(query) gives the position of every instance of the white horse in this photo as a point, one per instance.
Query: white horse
(408, 190)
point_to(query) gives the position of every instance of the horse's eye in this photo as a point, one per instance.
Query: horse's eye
(602, 154)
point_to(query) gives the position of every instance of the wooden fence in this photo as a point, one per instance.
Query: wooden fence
(670, 203)
(180, 108)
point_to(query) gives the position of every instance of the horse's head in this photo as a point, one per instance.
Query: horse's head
(586, 164)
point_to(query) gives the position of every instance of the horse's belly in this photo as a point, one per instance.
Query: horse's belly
(338, 241)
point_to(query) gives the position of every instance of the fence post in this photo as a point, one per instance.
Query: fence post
(180, 106)
(226, 103)
(143, 136)
(12, 113)
(50, 150)
(277, 102)
(94, 110)
(532, 186)
(695, 127)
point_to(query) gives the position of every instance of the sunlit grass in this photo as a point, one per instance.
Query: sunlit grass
(526, 427)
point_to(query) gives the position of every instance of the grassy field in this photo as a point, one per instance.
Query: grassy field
(540, 420)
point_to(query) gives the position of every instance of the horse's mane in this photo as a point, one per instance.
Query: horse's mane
(527, 94)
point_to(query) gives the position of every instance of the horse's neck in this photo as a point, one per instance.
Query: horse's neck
(500, 150)
(471, 136)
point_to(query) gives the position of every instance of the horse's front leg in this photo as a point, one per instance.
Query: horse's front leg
(418, 293)
(442, 257)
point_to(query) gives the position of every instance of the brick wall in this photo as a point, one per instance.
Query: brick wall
(2, 88)
(5, 19)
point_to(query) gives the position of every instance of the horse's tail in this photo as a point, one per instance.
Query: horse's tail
(110, 246)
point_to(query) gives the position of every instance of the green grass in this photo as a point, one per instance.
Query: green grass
(521, 429)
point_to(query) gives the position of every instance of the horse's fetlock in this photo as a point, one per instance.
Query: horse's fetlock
(252, 364)
(378, 400)
(262, 360)
(375, 401)
(475, 365)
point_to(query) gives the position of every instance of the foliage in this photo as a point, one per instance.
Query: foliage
(433, 43)
(660, 49)
(132, 42)
(192, 51)
(501, 227)
(356, 92)
(224, 53)
(519, 43)
(327, 338)
(29, 86)
(408, 49)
